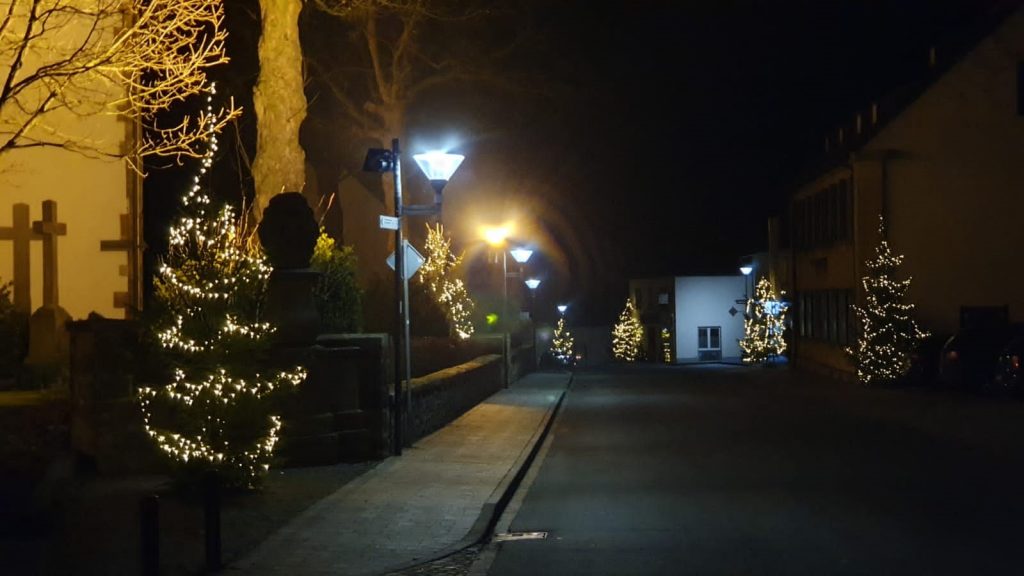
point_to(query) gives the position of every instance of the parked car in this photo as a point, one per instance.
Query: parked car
(968, 359)
(924, 361)
(1009, 375)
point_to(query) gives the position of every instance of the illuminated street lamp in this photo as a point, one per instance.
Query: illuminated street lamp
(438, 167)
(497, 236)
(746, 269)
(562, 308)
(521, 255)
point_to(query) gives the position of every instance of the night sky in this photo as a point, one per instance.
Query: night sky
(656, 138)
(687, 124)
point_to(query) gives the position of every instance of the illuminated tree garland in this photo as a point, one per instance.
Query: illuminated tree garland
(628, 335)
(888, 332)
(562, 343)
(666, 345)
(763, 325)
(216, 413)
(437, 273)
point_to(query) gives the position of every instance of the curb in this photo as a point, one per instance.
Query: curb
(496, 503)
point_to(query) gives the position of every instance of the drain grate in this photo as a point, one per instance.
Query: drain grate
(515, 536)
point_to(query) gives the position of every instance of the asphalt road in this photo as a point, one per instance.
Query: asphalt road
(739, 471)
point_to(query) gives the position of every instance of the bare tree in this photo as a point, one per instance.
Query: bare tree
(137, 59)
(280, 104)
(375, 93)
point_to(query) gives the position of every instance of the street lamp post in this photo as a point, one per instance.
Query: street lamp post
(497, 236)
(746, 269)
(438, 167)
(532, 284)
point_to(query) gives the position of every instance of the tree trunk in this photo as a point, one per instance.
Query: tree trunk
(280, 105)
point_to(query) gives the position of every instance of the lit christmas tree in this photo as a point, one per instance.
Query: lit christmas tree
(216, 413)
(562, 343)
(628, 335)
(763, 325)
(438, 274)
(888, 332)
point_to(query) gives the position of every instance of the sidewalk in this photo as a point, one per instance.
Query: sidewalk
(437, 497)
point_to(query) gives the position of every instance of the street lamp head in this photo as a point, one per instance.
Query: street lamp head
(438, 165)
(532, 283)
(562, 308)
(746, 270)
(521, 255)
(495, 235)
(379, 160)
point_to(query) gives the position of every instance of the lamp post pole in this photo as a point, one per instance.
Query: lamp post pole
(504, 287)
(402, 327)
(438, 167)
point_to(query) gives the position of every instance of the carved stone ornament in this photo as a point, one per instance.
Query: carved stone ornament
(288, 231)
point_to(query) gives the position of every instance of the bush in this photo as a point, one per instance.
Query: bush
(339, 300)
(13, 334)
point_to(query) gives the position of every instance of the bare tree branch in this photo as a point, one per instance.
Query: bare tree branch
(137, 59)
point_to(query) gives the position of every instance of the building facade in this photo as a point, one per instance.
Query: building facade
(655, 300)
(709, 318)
(940, 162)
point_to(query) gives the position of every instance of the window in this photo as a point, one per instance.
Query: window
(709, 343)
(827, 315)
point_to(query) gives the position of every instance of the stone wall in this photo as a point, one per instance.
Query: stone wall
(441, 397)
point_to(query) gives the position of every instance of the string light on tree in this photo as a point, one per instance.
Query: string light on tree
(888, 332)
(628, 335)
(215, 413)
(438, 273)
(666, 345)
(763, 325)
(562, 344)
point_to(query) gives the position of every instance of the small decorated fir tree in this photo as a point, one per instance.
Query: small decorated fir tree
(216, 413)
(628, 335)
(438, 273)
(887, 332)
(763, 325)
(562, 344)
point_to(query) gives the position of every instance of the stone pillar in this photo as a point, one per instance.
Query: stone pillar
(288, 233)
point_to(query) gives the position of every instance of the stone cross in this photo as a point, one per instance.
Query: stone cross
(48, 228)
(21, 234)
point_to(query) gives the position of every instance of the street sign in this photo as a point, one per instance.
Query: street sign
(413, 260)
(388, 222)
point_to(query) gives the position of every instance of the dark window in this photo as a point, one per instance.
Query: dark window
(841, 305)
(709, 343)
(805, 315)
(831, 303)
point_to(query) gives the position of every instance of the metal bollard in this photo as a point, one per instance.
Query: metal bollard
(149, 524)
(211, 509)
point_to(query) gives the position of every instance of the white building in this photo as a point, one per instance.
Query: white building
(709, 318)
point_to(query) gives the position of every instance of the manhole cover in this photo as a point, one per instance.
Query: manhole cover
(512, 536)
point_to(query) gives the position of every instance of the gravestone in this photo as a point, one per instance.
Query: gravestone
(48, 336)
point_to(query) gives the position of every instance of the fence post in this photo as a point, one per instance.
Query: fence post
(211, 509)
(149, 524)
